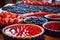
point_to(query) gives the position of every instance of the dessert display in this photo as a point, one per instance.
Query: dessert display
(28, 19)
(25, 8)
(35, 20)
(7, 18)
(23, 32)
(53, 17)
(52, 28)
(39, 14)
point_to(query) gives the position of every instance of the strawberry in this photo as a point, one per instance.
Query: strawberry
(1, 15)
(2, 12)
(3, 19)
(7, 13)
(33, 3)
(40, 3)
(52, 4)
(23, 1)
(16, 20)
(8, 16)
(7, 20)
(26, 1)
(43, 3)
(10, 22)
(14, 15)
(0, 18)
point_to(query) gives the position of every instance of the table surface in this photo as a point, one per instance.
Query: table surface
(46, 37)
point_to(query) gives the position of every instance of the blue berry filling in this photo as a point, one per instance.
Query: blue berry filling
(24, 8)
(35, 20)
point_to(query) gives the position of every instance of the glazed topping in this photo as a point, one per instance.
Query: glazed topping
(7, 18)
(54, 16)
(23, 30)
(41, 3)
(35, 20)
(53, 26)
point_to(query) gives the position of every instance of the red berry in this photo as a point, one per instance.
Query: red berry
(14, 15)
(3, 19)
(7, 13)
(16, 20)
(8, 16)
(7, 20)
(0, 18)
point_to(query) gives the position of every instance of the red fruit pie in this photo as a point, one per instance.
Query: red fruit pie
(41, 14)
(40, 3)
(53, 16)
(53, 25)
(23, 31)
(7, 18)
(52, 29)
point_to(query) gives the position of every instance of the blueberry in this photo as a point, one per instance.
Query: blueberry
(35, 20)
(6, 8)
(24, 8)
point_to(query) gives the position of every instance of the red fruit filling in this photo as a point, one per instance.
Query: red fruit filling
(41, 14)
(7, 18)
(41, 3)
(54, 16)
(53, 26)
(25, 30)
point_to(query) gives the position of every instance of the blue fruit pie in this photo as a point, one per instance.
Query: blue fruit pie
(35, 20)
